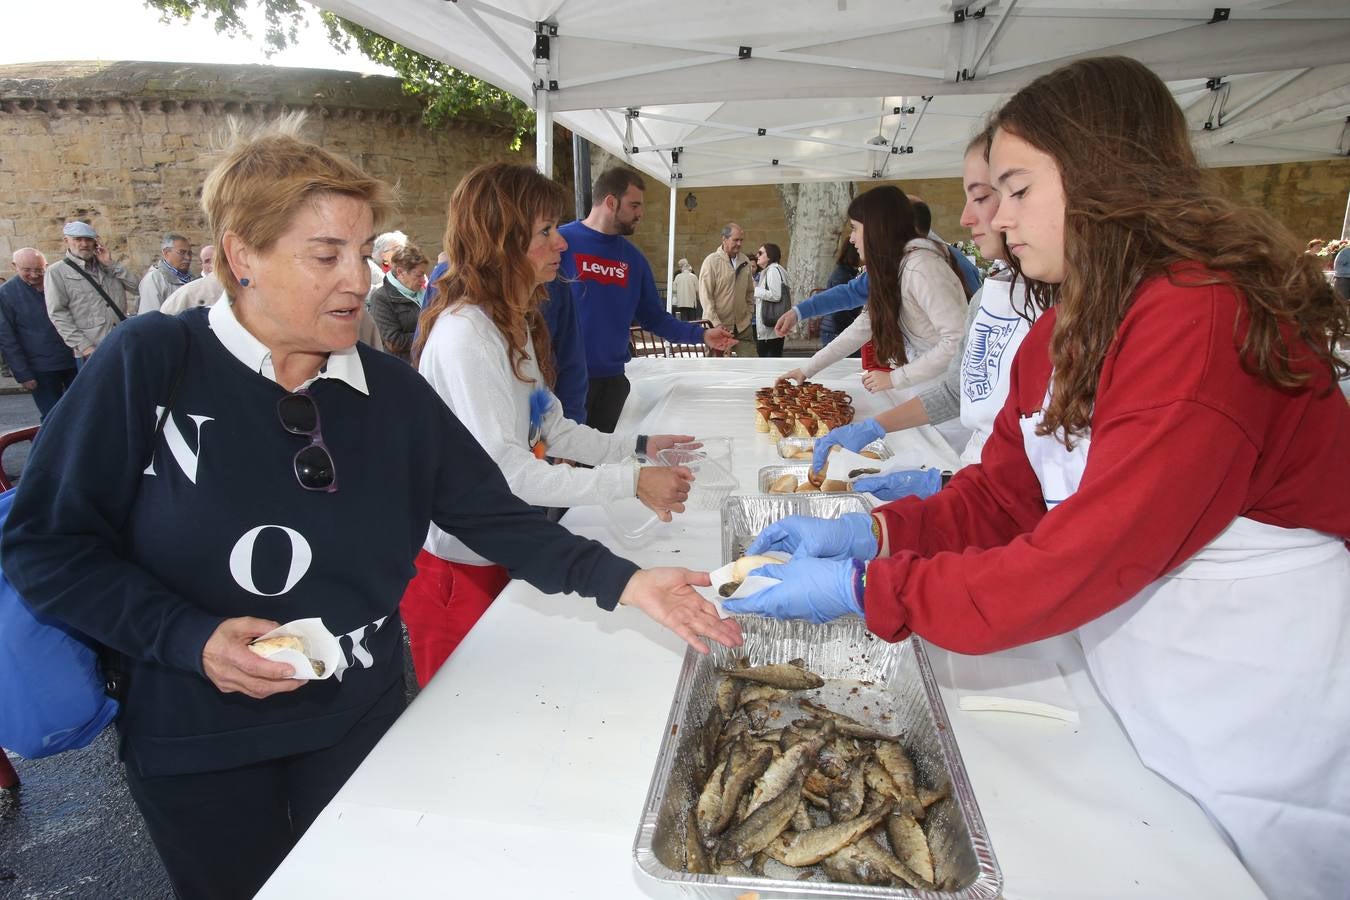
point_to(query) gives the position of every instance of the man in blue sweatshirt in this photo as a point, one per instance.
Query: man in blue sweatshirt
(612, 286)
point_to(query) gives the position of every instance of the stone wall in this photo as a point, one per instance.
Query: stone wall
(126, 146)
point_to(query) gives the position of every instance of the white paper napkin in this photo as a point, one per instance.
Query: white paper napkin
(1034, 687)
(320, 643)
(751, 585)
(845, 461)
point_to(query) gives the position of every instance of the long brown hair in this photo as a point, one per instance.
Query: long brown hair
(1136, 203)
(887, 219)
(487, 235)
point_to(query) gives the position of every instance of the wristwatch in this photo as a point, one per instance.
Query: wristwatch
(641, 448)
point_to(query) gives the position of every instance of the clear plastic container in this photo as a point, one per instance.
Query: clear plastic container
(710, 459)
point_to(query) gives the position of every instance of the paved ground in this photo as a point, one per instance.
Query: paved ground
(70, 830)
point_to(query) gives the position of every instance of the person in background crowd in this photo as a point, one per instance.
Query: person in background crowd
(685, 286)
(1341, 273)
(201, 291)
(916, 305)
(180, 564)
(612, 286)
(382, 253)
(442, 263)
(726, 288)
(846, 265)
(970, 276)
(41, 361)
(86, 291)
(171, 271)
(770, 286)
(397, 302)
(1167, 478)
(483, 349)
(976, 382)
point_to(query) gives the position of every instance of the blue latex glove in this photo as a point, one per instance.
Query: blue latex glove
(816, 590)
(903, 483)
(847, 537)
(852, 437)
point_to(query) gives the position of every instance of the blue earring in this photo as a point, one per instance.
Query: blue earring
(243, 282)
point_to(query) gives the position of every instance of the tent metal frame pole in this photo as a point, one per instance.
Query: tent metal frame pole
(748, 131)
(1004, 16)
(470, 10)
(670, 252)
(543, 134)
(1247, 104)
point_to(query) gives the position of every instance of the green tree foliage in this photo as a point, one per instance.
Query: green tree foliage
(445, 92)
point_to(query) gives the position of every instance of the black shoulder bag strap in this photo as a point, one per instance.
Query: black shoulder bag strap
(112, 664)
(121, 316)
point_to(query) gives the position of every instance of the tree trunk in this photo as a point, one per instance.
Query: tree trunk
(815, 213)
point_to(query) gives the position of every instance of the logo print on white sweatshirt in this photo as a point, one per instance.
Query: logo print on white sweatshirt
(989, 337)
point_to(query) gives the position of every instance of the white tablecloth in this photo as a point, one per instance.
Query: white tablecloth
(522, 769)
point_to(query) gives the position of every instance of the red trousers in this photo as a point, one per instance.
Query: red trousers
(870, 361)
(441, 604)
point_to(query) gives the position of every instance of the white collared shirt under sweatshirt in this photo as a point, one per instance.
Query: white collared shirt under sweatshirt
(465, 360)
(932, 319)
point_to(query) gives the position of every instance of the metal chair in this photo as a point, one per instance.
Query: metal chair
(642, 342)
(7, 440)
(8, 777)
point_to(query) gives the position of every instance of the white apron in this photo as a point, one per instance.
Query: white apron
(1231, 675)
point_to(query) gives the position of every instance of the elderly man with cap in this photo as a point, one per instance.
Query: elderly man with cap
(685, 287)
(171, 271)
(86, 291)
(40, 359)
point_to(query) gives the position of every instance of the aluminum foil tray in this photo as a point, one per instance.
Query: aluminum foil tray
(842, 649)
(788, 446)
(744, 516)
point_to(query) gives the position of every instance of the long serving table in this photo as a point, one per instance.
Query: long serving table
(522, 769)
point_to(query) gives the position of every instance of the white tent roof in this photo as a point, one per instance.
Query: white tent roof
(711, 93)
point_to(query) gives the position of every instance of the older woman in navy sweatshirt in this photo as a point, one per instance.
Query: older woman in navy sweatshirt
(295, 477)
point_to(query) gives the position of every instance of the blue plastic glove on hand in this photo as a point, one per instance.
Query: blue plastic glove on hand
(816, 590)
(903, 483)
(848, 537)
(851, 437)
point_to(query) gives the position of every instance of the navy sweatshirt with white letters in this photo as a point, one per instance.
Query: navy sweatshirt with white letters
(148, 557)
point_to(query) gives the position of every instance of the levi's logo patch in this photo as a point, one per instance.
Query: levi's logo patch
(605, 271)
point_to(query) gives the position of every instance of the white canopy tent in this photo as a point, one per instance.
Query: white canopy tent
(716, 93)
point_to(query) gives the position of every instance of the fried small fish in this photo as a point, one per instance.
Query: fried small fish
(897, 764)
(806, 848)
(846, 725)
(762, 826)
(736, 783)
(846, 801)
(909, 844)
(777, 675)
(696, 858)
(858, 473)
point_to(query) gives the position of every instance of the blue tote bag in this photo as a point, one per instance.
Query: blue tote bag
(51, 691)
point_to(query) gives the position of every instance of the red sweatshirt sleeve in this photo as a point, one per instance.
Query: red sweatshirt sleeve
(1169, 467)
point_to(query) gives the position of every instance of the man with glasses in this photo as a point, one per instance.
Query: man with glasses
(171, 271)
(86, 291)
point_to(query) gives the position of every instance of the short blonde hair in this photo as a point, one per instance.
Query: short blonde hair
(264, 177)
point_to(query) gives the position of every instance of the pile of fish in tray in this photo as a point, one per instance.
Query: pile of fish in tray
(784, 780)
